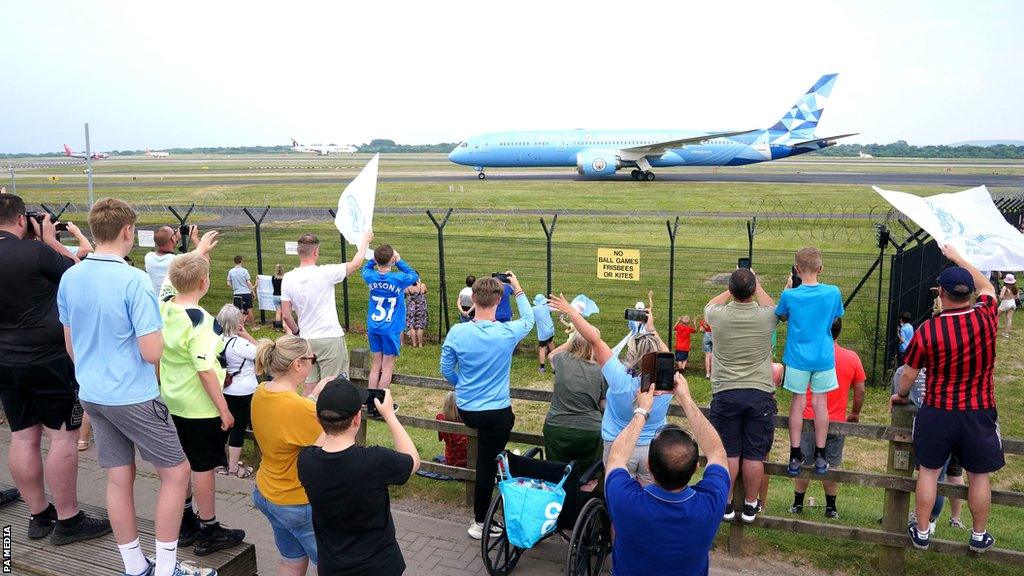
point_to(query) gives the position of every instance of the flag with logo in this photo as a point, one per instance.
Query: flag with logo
(354, 216)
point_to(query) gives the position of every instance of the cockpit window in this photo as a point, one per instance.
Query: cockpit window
(464, 144)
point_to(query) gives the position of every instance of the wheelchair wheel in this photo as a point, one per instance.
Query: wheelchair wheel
(498, 554)
(591, 540)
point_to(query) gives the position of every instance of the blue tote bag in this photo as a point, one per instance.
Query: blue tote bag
(531, 506)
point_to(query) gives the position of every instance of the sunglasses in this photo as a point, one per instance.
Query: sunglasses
(312, 359)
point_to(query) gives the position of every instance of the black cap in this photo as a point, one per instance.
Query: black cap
(339, 400)
(957, 281)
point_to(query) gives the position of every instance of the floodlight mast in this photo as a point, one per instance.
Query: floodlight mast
(88, 163)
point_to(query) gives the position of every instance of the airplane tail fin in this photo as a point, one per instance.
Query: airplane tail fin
(803, 117)
(68, 151)
(295, 144)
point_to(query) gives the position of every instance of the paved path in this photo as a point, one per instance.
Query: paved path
(432, 543)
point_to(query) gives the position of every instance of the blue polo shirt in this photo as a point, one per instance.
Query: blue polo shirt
(619, 404)
(810, 311)
(477, 359)
(503, 313)
(662, 532)
(109, 305)
(542, 320)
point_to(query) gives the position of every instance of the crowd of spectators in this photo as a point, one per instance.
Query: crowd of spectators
(87, 334)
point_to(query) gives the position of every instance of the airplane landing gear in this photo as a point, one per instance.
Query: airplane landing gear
(642, 175)
(481, 175)
(649, 176)
(635, 174)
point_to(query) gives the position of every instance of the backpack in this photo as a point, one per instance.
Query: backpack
(223, 359)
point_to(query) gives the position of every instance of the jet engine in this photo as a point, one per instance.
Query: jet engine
(597, 163)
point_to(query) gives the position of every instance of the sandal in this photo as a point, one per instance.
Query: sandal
(222, 471)
(83, 445)
(243, 471)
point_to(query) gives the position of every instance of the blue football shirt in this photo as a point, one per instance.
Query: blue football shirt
(109, 305)
(386, 312)
(810, 311)
(619, 404)
(503, 313)
(542, 320)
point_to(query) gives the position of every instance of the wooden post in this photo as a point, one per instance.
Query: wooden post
(361, 435)
(736, 529)
(895, 512)
(471, 464)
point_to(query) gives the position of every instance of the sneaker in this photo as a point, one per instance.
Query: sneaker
(831, 513)
(760, 505)
(979, 546)
(541, 370)
(40, 525)
(182, 569)
(216, 538)
(794, 466)
(919, 543)
(749, 513)
(10, 495)
(149, 571)
(476, 530)
(188, 532)
(85, 529)
(796, 509)
(820, 465)
(730, 514)
(956, 523)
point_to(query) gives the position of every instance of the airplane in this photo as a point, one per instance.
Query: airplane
(323, 149)
(95, 155)
(601, 153)
(152, 154)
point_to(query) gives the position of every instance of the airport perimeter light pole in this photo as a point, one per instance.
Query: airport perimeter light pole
(88, 163)
(14, 183)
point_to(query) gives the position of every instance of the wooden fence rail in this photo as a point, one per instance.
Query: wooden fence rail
(897, 482)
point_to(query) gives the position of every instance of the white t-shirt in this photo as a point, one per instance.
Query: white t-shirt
(465, 298)
(310, 289)
(240, 354)
(156, 267)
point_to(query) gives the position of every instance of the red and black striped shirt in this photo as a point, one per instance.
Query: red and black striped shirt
(958, 351)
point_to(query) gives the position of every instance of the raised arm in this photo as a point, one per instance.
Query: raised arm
(352, 266)
(708, 440)
(625, 442)
(403, 443)
(585, 329)
(762, 296)
(981, 282)
(525, 322)
(720, 299)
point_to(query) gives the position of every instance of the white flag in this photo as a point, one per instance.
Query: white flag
(355, 206)
(968, 220)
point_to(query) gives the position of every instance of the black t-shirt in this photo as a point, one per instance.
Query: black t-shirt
(30, 332)
(348, 491)
(275, 283)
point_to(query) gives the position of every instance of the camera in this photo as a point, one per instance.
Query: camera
(743, 263)
(657, 368)
(501, 277)
(39, 216)
(796, 278)
(634, 315)
(374, 393)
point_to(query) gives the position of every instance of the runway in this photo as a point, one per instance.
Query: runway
(847, 178)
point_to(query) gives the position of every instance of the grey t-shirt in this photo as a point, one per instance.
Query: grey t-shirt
(239, 278)
(742, 336)
(579, 389)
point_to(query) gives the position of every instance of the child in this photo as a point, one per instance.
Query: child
(190, 383)
(455, 445)
(906, 332)
(385, 315)
(706, 346)
(545, 330)
(241, 289)
(684, 331)
(810, 359)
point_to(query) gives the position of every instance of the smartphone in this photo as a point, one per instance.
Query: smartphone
(634, 315)
(796, 277)
(743, 263)
(374, 393)
(657, 368)
(501, 277)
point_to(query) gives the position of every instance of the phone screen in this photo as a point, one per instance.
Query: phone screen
(374, 393)
(743, 263)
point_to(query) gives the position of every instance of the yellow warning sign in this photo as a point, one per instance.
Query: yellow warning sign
(54, 179)
(618, 264)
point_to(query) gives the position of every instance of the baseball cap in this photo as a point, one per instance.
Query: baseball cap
(539, 299)
(957, 281)
(339, 400)
(640, 305)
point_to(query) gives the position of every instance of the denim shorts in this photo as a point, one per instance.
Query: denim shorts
(293, 528)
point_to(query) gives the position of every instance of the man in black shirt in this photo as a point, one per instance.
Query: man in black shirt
(37, 378)
(347, 485)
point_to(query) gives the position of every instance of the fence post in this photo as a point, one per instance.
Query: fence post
(549, 232)
(259, 251)
(14, 183)
(471, 464)
(672, 230)
(736, 527)
(751, 231)
(895, 511)
(883, 242)
(442, 291)
(181, 221)
(344, 283)
(55, 216)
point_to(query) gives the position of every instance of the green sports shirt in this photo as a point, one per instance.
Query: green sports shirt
(191, 345)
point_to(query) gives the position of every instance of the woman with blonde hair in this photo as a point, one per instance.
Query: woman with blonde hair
(283, 422)
(456, 445)
(572, 427)
(239, 384)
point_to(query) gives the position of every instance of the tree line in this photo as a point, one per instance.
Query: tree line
(900, 149)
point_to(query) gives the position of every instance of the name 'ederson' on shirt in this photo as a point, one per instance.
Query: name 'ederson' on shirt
(386, 312)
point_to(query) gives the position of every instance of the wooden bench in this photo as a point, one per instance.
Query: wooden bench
(100, 556)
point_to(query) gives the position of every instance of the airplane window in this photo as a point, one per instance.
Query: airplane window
(464, 144)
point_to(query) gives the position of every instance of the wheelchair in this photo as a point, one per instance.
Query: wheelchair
(583, 521)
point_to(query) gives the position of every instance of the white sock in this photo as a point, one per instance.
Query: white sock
(754, 503)
(134, 560)
(931, 528)
(166, 557)
(976, 536)
(923, 535)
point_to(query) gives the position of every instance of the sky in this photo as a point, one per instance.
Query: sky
(183, 74)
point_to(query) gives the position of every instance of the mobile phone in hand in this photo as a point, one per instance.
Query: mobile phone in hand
(374, 393)
(743, 263)
(634, 315)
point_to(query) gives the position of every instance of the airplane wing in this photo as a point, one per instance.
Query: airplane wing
(662, 147)
(822, 140)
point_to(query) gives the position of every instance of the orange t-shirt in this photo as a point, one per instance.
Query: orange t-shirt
(683, 334)
(848, 371)
(283, 423)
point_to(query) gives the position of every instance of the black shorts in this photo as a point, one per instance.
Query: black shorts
(545, 343)
(973, 435)
(44, 393)
(953, 468)
(745, 420)
(203, 442)
(682, 355)
(242, 301)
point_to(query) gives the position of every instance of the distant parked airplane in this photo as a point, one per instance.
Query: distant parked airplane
(600, 153)
(323, 149)
(152, 154)
(95, 155)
